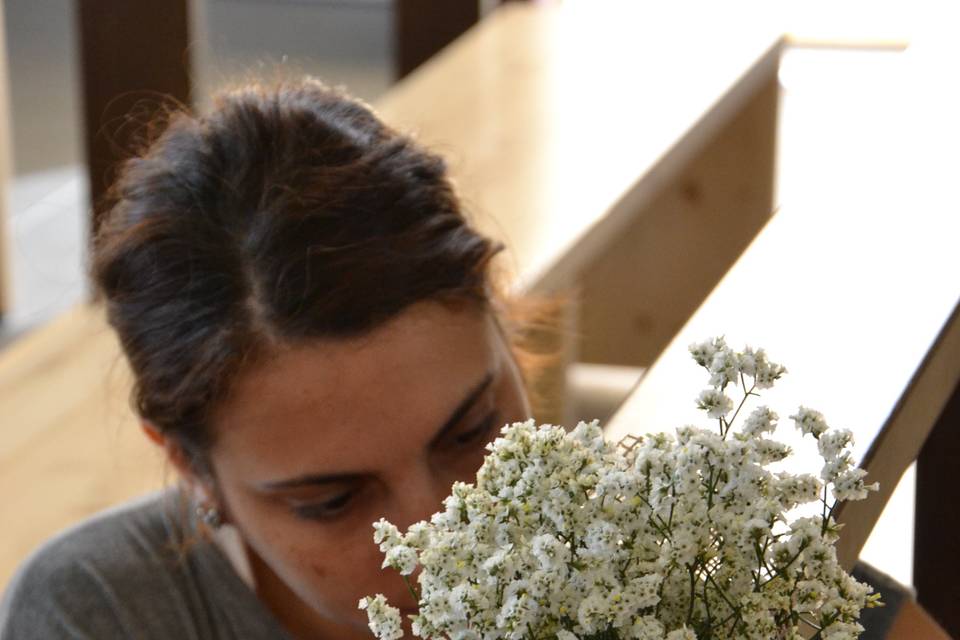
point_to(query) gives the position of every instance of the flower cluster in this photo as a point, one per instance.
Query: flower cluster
(678, 536)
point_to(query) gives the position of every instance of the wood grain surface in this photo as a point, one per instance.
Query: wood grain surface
(854, 288)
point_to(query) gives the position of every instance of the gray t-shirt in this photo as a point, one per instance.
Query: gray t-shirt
(127, 573)
(131, 572)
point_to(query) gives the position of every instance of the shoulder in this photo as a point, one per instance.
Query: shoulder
(126, 539)
(90, 580)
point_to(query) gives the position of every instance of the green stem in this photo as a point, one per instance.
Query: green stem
(737, 412)
(413, 591)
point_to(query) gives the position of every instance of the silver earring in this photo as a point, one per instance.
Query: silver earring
(209, 515)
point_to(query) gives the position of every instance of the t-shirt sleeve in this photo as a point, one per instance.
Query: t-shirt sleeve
(108, 578)
(55, 595)
(128, 573)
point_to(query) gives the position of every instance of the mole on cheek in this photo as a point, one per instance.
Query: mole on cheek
(318, 569)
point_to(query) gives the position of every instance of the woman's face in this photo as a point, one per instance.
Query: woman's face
(322, 440)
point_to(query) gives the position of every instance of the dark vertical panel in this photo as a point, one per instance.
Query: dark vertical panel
(423, 27)
(936, 551)
(135, 61)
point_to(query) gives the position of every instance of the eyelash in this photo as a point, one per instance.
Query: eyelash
(337, 506)
(481, 429)
(325, 510)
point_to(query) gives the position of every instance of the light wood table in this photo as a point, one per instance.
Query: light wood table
(855, 289)
(602, 147)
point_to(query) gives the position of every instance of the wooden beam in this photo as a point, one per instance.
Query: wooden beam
(639, 293)
(135, 62)
(936, 554)
(424, 27)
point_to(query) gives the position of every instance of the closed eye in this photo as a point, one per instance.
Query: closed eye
(479, 431)
(327, 509)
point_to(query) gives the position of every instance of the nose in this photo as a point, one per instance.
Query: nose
(418, 495)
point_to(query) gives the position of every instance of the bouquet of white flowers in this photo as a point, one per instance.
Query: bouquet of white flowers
(682, 537)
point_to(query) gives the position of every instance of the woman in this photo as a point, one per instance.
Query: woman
(316, 343)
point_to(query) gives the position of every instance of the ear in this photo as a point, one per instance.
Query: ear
(151, 431)
(179, 459)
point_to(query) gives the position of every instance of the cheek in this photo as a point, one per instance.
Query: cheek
(329, 568)
(332, 574)
(337, 574)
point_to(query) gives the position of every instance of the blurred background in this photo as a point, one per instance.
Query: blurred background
(346, 41)
(55, 52)
(365, 45)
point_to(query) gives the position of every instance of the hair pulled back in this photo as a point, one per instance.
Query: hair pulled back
(288, 213)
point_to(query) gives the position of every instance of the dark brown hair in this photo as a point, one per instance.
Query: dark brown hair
(289, 212)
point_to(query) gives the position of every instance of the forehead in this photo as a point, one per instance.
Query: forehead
(350, 405)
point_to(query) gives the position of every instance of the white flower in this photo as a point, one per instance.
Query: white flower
(519, 609)
(601, 538)
(552, 554)
(842, 631)
(832, 443)
(384, 620)
(765, 372)
(593, 613)
(402, 558)
(769, 450)
(385, 534)
(834, 467)
(642, 591)
(757, 529)
(417, 535)
(810, 421)
(849, 485)
(724, 368)
(799, 489)
(646, 628)
(565, 536)
(715, 403)
(760, 421)
(810, 595)
(747, 362)
(703, 352)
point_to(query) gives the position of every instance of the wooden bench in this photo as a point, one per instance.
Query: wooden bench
(857, 293)
(601, 148)
(624, 159)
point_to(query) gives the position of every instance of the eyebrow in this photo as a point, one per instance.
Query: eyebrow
(474, 394)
